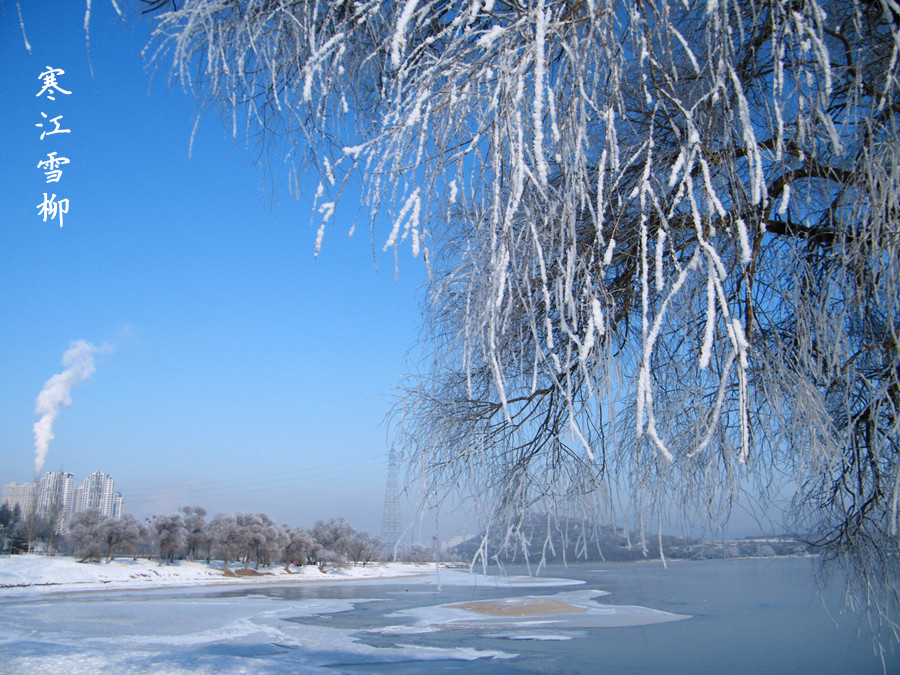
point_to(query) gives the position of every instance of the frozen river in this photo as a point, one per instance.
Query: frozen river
(741, 616)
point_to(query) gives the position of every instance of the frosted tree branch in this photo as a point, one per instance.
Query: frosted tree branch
(693, 205)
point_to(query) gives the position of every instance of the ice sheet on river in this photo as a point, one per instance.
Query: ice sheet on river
(161, 632)
(204, 629)
(565, 610)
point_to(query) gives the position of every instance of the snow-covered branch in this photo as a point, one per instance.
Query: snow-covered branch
(662, 236)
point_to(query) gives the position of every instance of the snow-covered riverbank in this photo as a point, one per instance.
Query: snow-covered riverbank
(24, 574)
(37, 573)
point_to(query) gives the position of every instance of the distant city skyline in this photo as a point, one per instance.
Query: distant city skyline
(59, 499)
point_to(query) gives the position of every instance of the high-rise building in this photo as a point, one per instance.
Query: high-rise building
(98, 493)
(21, 495)
(118, 506)
(56, 498)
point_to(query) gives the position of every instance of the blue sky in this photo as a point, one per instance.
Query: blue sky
(241, 373)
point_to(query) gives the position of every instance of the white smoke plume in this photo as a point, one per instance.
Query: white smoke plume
(79, 366)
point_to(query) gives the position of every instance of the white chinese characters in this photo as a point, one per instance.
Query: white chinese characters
(50, 84)
(50, 207)
(56, 128)
(51, 167)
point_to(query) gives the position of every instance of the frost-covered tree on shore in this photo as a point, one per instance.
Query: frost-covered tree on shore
(95, 536)
(227, 538)
(196, 535)
(262, 539)
(84, 535)
(334, 537)
(363, 548)
(299, 546)
(662, 237)
(118, 532)
(170, 536)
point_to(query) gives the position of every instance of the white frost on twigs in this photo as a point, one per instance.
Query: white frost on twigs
(605, 188)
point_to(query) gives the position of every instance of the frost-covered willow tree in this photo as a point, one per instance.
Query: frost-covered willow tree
(662, 236)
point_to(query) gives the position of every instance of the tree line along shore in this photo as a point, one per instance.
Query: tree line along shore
(242, 539)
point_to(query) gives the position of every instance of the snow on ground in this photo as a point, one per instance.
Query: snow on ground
(26, 574)
(37, 573)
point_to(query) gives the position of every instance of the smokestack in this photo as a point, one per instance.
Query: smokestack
(79, 366)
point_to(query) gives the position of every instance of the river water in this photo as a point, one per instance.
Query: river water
(735, 616)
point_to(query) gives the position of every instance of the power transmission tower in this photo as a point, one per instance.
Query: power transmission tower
(390, 519)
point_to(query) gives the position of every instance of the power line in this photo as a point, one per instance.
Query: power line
(263, 479)
(266, 482)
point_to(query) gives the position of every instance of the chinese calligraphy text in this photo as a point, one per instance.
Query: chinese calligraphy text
(50, 207)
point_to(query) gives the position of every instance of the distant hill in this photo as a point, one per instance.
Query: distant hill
(572, 540)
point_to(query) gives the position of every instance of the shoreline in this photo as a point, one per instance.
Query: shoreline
(39, 575)
(57, 575)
